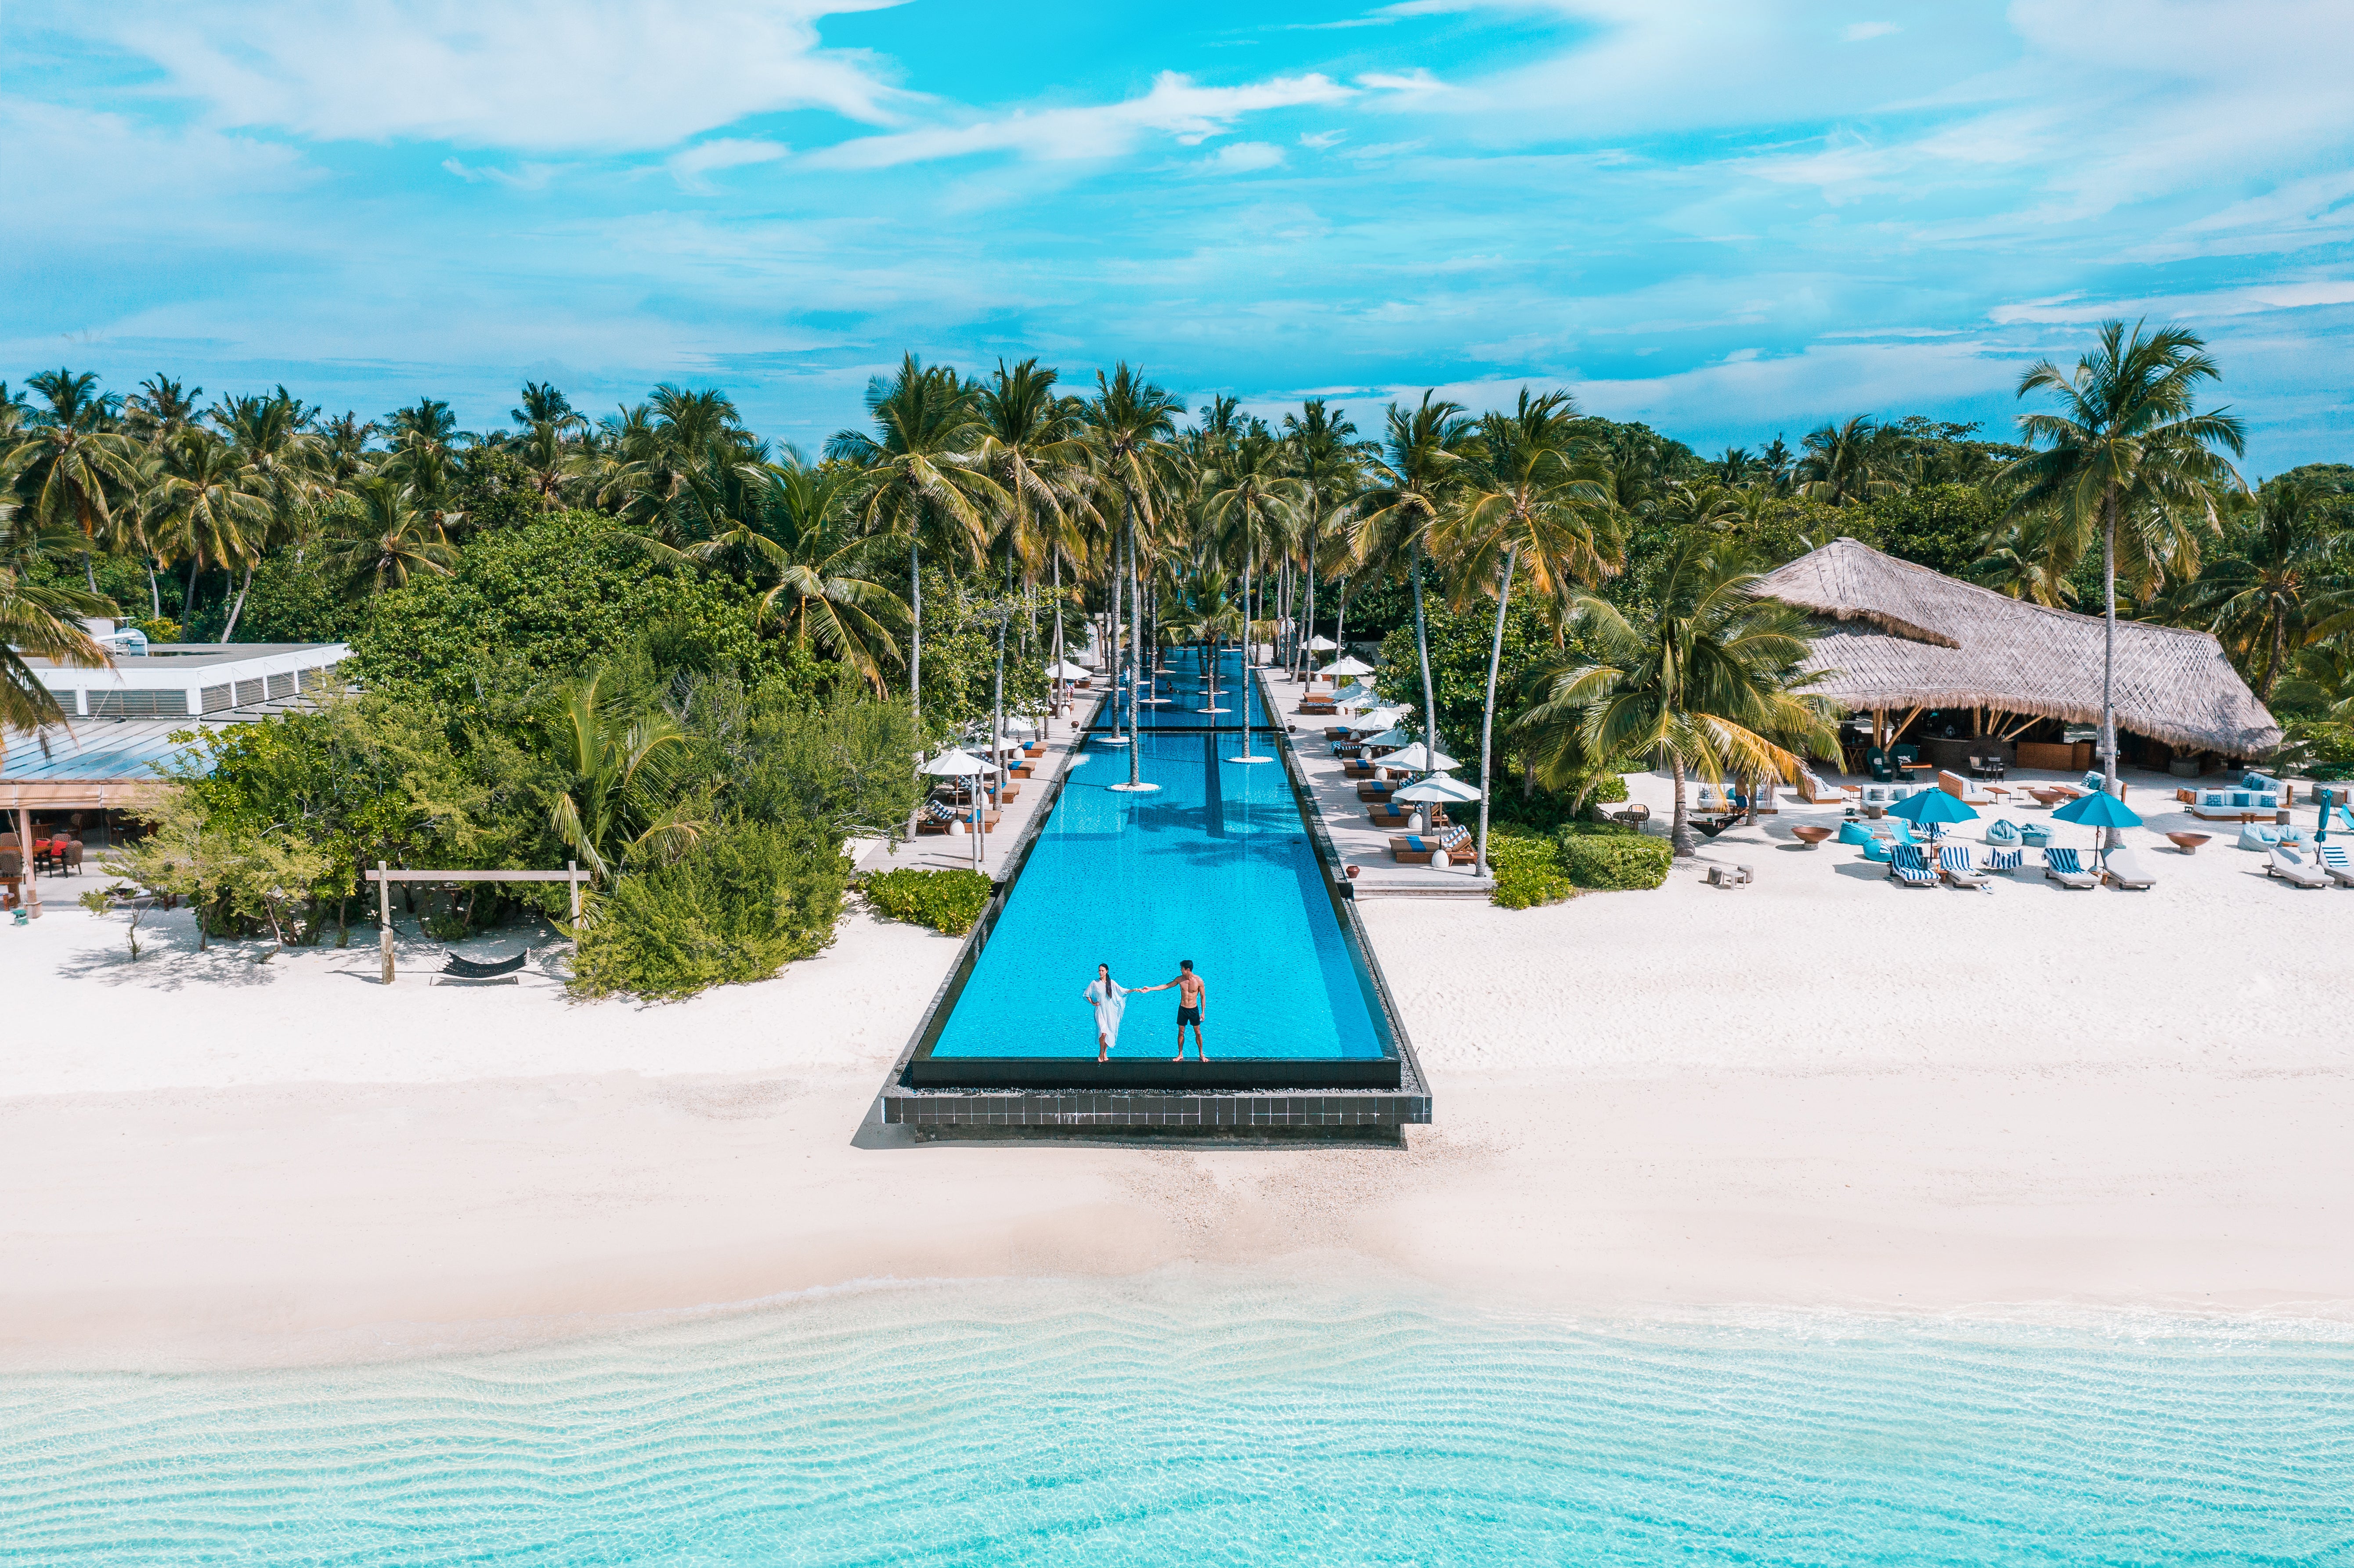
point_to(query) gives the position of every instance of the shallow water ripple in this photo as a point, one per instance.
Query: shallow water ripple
(1202, 1422)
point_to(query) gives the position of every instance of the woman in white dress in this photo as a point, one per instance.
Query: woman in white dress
(1110, 998)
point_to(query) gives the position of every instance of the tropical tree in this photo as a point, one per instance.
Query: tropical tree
(1031, 446)
(2284, 581)
(1703, 675)
(1252, 499)
(918, 481)
(202, 508)
(1131, 429)
(2126, 447)
(1414, 482)
(620, 793)
(80, 465)
(386, 541)
(39, 619)
(281, 460)
(1839, 461)
(1328, 465)
(1532, 492)
(818, 567)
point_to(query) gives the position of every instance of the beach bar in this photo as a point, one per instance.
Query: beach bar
(1955, 671)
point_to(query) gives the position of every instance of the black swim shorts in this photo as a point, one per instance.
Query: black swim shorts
(1186, 1015)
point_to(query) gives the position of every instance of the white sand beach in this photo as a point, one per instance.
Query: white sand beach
(1817, 1090)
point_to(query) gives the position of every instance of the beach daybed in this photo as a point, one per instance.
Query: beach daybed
(2291, 865)
(2060, 865)
(1814, 791)
(2124, 867)
(1954, 865)
(1908, 867)
(1415, 849)
(1968, 792)
(2336, 863)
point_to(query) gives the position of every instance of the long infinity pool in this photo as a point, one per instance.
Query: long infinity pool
(1215, 865)
(1195, 1421)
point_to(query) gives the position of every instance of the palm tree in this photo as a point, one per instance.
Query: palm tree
(1131, 429)
(344, 442)
(160, 408)
(620, 798)
(1839, 462)
(1251, 498)
(283, 461)
(2126, 446)
(917, 478)
(1707, 676)
(387, 542)
(80, 464)
(1414, 483)
(202, 508)
(1327, 463)
(1534, 494)
(1031, 446)
(809, 551)
(42, 619)
(2284, 583)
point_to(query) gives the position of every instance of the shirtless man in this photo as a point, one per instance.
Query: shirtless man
(1190, 991)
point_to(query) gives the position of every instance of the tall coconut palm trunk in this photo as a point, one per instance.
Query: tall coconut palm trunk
(916, 633)
(1488, 712)
(238, 608)
(1679, 833)
(1422, 648)
(1135, 658)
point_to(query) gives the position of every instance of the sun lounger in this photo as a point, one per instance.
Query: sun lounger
(1412, 850)
(2124, 869)
(934, 816)
(2294, 865)
(1375, 790)
(2005, 859)
(1954, 865)
(2060, 865)
(2336, 863)
(1908, 867)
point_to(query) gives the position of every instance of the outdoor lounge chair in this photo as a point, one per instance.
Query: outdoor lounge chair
(2005, 860)
(934, 816)
(2060, 865)
(1385, 814)
(2295, 866)
(2123, 868)
(1954, 865)
(1815, 792)
(1908, 867)
(2336, 863)
(1375, 790)
(1876, 761)
(1412, 850)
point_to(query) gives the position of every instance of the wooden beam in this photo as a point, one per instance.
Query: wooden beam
(383, 876)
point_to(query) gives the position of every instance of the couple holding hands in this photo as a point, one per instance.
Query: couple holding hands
(1110, 998)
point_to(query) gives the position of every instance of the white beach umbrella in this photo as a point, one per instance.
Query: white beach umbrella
(1067, 671)
(1321, 645)
(1392, 737)
(1353, 693)
(1016, 725)
(1437, 789)
(1419, 758)
(955, 764)
(1351, 665)
(1377, 720)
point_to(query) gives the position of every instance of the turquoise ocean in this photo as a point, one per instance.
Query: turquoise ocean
(1212, 1419)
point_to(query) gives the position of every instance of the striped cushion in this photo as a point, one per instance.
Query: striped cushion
(939, 812)
(2003, 859)
(1453, 836)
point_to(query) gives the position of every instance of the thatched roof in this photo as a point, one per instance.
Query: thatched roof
(1902, 636)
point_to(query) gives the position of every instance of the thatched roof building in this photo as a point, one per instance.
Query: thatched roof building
(1899, 636)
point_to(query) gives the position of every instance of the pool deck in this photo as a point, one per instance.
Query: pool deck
(953, 851)
(1355, 841)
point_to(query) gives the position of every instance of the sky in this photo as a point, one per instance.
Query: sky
(1733, 220)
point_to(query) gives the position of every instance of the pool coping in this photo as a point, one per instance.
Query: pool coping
(1248, 1096)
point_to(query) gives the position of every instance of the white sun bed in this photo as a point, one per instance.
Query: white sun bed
(2295, 866)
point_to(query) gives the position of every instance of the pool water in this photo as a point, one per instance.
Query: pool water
(1215, 865)
(1182, 694)
(1188, 1421)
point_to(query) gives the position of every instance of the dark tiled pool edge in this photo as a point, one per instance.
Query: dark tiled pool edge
(1304, 1110)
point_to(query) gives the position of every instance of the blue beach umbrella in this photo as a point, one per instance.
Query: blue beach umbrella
(1931, 808)
(2098, 809)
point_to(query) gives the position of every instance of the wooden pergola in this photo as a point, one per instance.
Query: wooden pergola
(383, 877)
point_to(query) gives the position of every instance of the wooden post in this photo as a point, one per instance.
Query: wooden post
(384, 919)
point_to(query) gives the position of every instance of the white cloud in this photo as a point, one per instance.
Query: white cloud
(1176, 106)
(1320, 140)
(1863, 30)
(523, 177)
(1241, 157)
(2251, 300)
(533, 75)
(72, 172)
(689, 166)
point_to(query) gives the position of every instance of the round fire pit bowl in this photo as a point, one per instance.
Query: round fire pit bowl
(1810, 835)
(2188, 843)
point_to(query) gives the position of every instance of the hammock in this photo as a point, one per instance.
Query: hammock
(467, 969)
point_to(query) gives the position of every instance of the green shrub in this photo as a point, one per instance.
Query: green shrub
(947, 901)
(747, 898)
(1612, 789)
(1615, 860)
(1527, 871)
(2316, 749)
(1599, 828)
